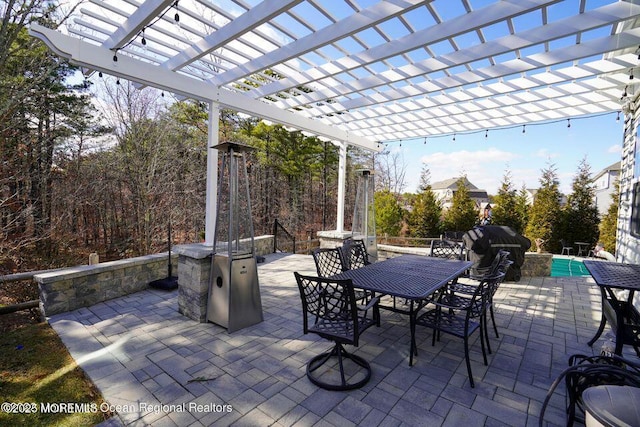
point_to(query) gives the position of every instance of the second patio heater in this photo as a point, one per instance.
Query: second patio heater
(364, 219)
(234, 292)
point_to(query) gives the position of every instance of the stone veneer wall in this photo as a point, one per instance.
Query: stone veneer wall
(194, 270)
(76, 287)
(71, 288)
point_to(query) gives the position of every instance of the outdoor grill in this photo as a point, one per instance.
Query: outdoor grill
(484, 242)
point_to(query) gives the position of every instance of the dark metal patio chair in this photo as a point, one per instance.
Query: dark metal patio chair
(330, 310)
(329, 261)
(566, 247)
(461, 316)
(355, 253)
(589, 371)
(447, 249)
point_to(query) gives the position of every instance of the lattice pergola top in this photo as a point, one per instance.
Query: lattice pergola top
(363, 71)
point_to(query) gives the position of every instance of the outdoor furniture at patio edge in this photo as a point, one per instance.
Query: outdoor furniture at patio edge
(623, 317)
(412, 277)
(329, 261)
(330, 310)
(566, 248)
(355, 253)
(583, 248)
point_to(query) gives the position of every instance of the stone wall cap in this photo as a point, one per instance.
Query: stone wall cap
(84, 270)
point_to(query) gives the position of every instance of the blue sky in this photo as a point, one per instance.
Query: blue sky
(485, 160)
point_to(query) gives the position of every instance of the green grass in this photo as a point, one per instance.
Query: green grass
(36, 368)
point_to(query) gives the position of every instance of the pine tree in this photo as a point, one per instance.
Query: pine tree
(505, 211)
(609, 223)
(522, 208)
(388, 213)
(580, 215)
(544, 215)
(424, 219)
(462, 214)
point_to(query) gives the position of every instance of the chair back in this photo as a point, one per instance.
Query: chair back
(329, 308)
(355, 254)
(483, 295)
(447, 249)
(329, 261)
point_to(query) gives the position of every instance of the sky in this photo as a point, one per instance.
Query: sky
(485, 160)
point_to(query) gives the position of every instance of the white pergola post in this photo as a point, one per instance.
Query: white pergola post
(212, 173)
(342, 175)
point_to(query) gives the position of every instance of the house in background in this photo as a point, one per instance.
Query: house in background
(603, 184)
(444, 191)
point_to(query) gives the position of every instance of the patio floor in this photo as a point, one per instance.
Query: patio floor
(150, 362)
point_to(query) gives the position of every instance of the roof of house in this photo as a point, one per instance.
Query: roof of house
(452, 184)
(614, 167)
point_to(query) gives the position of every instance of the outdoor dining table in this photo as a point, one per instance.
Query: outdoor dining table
(583, 248)
(621, 313)
(411, 277)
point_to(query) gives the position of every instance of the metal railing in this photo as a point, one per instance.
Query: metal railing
(283, 241)
(17, 277)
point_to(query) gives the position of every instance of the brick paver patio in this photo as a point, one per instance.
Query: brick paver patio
(155, 366)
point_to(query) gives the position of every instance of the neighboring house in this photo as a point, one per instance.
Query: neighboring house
(603, 184)
(444, 191)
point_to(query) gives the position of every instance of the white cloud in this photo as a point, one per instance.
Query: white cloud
(546, 154)
(615, 149)
(484, 168)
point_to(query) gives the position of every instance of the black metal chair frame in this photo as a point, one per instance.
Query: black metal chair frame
(355, 253)
(329, 261)
(500, 264)
(589, 371)
(461, 316)
(447, 249)
(330, 310)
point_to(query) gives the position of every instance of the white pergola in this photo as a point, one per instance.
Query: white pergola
(357, 72)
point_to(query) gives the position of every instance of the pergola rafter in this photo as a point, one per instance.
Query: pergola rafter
(356, 72)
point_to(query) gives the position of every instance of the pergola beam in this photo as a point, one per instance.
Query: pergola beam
(99, 58)
(144, 14)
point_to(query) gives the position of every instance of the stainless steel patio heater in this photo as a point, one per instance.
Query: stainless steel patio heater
(234, 292)
(364, 219)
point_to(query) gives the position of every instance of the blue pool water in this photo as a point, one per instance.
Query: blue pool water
(568, 267)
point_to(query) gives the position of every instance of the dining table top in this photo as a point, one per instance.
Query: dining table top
(615, 274)
(406, 276)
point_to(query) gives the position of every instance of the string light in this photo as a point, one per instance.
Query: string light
(568, 123)
(454, 137)
(176, 17)
(631, 74)
(117, 81)
(486, 133)
(618, 117)
(100, 74)
(143, 41)
(115, 57)
(425, 140)
(523, 129)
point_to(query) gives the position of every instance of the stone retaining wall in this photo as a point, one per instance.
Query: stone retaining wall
(71, 288)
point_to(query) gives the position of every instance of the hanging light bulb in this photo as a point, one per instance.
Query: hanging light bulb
(425, 140)
(523, 129)
(631, 74)
(568, 123)
(176, 17)
(115, 57)
(144, 41)
(618, 117)
(400, 143)
(162, 94)
(454, 137)
(117, 81)
(100, 74)
(486, 133)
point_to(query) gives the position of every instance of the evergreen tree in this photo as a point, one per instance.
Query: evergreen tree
(609, 223)
(424, 219)
(505, 211)
(522, 208)
(580, 215)
(462, 214)
(388, 213)
(544, 215)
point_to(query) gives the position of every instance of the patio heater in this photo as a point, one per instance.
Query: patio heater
(234, 293)
(363, 225)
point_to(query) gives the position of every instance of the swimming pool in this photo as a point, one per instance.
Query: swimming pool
(568, 267)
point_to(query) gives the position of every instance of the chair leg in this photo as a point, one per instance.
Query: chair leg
(339, 352)
(466, 357)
